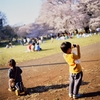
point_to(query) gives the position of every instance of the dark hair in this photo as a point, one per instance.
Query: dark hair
(65, 46)
(33, 43)
(37, 43)
(12, 63)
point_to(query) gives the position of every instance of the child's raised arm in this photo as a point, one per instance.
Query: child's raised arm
(78, 51)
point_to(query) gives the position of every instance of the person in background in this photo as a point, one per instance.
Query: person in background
(37, 47)
(31, 47)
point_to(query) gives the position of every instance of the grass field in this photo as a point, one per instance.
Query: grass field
(19, 53)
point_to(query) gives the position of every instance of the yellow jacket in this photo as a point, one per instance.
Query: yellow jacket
(71, 60)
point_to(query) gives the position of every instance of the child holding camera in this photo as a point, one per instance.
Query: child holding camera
(75, 69)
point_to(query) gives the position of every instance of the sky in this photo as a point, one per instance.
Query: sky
(20, 11)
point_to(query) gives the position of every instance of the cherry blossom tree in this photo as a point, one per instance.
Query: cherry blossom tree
(69, 15)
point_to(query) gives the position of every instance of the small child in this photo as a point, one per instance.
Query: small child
(75, 69)
(37, 47)
(31, 47)
(14, 74)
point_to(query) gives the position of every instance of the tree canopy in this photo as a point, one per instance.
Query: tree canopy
(61, 15)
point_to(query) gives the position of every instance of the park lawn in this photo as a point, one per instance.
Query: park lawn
(48, 48)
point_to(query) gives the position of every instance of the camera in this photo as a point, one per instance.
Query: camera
(74, 45)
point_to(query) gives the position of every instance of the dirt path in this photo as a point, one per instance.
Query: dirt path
(47, 78)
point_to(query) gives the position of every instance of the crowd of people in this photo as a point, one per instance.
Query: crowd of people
(33, 44)
(33, 47)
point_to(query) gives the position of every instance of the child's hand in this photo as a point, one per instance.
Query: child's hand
(77, 46)
(74, 45)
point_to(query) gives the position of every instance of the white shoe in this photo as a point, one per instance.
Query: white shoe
(9, 89)
(70, 95)
(77, 96)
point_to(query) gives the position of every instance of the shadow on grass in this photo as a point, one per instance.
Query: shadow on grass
(40, 89)
(45, 64)
(91, 60)
(37, 65)
(50, 64)
(47, 49)
(4, 68)
(84, 83)
(91, 94)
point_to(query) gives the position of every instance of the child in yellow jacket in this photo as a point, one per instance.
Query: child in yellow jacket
(75, 69)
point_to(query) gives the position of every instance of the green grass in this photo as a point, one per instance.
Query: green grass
(20, 55)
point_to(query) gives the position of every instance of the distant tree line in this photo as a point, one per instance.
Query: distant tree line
(6, 31)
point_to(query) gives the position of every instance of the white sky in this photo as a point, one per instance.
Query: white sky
(20, 11)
